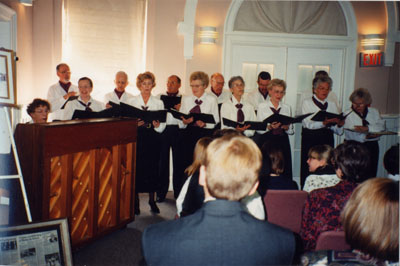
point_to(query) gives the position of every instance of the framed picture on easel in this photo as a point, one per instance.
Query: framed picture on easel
(8, 90)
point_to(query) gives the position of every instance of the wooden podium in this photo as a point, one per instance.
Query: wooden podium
(83, 170)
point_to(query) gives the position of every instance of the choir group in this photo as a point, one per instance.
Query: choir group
(260, 115)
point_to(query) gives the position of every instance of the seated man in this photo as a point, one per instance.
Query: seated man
(221, 232)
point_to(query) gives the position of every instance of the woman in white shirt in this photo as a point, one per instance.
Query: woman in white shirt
(276, 132)
(84, 101)
(361, 122)
(236, 109)
(148, 141)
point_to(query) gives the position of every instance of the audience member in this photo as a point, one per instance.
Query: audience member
(361, 120)
(60, 92)
(236, 109)
(84, 102)
(371, 224)
(221, 232)
(171, 140)
(148, 141)
(391, 162)
(315, 132)
(323, 206)
(119, 94)
(38, 110)
(191, 197)
(322, 173)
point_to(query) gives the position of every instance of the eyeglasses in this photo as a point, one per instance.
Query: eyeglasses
(42, 111)
(359, 104)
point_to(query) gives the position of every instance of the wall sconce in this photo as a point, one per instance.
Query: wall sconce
(372, 42)
(208, 35)
(26, 2)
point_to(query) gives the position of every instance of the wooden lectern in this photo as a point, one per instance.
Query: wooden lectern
(83, 170)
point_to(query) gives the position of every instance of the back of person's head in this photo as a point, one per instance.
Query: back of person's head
(226, 132)
(199, 155)
(391, 160)
(353, 159)
(321, 152)
(371, 218)
(273, 151)
(232, 164)
(321, 73)
(264, 75)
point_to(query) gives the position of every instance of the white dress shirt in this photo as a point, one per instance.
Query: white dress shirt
(170, 119)
(208, 106)
(113, 97)
(153, 104)
(229, 111)
(73, 105)
(55, 96)
(255, 98)
(376, 124)
(310, 107)
(224, 96)
(264, 111)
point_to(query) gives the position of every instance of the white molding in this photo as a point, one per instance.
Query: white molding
(9, 15)
(186, 28)
(392, 35)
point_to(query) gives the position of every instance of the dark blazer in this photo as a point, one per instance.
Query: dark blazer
(220, 233)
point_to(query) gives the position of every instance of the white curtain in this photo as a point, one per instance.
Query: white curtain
(102, 37)
(302, 17)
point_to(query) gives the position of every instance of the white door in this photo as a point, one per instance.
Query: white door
(297, 66)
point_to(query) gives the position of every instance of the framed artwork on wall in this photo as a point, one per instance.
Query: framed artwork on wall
(8, 89)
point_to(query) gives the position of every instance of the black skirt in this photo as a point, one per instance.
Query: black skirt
(147, 160)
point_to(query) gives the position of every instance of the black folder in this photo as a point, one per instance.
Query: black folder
(170, 101)
(323, 115)
(206, 118)
(69, 99)
(254, 125)
(147, 116)
(285, 120)
(106, 113)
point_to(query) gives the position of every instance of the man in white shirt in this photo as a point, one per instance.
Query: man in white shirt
(119, 94)
(170, 139)
(59, 93)
(261, 94)
(217, 91)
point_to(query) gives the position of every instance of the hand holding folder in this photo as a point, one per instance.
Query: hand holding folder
(285, 120)
(253, 125)
(206, 118)
(147, 116)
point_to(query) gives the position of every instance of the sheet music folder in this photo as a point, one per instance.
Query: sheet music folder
(170, 101)
(147, 116)
(254, 125)
(206, 118)
(323, 115)
(286, 120)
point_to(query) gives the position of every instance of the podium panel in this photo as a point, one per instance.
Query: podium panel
(83, 170)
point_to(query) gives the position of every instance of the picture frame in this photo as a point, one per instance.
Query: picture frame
(8, 90)
(39, 243)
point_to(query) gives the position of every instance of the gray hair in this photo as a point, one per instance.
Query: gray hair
(362, 94)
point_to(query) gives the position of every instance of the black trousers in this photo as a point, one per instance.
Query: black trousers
(170, 139)
(373, 148)
(311, 138)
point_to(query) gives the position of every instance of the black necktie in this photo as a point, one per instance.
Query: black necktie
(321, 106)
(240, 114)
(119, 93)
(87, 108)
(363, 116)
(196, 109)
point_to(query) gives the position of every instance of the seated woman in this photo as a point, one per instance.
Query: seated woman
(361, 120)
(323, 206)
(191, 196)
(236, 109)
(320, 166)
(38, 110)
(371, 224)
(276, 132)
(84, 101)
(148, 141)
(391, 162)
(276, 179)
